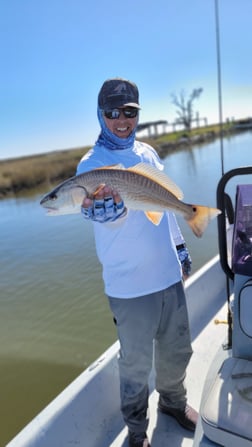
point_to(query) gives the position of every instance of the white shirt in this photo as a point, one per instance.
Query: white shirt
(138, 258)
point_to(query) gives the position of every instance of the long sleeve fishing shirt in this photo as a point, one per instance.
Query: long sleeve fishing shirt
(138, 258)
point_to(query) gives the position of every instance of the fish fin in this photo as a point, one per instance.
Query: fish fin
(98, 189)
(201, 218)
(158, 176)
(154, 216)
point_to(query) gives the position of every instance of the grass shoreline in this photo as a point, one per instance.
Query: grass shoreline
(44, 170)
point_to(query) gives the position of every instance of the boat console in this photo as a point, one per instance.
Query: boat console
(226, 410)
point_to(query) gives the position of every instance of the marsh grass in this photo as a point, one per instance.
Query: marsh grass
(30, 172)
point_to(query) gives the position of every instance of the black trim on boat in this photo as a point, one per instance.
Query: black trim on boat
(224, 203)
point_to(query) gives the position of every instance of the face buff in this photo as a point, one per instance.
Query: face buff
(110, 140)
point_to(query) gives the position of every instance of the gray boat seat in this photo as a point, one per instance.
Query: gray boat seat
(227, 413)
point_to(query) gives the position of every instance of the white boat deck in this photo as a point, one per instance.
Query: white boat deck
(87, 412)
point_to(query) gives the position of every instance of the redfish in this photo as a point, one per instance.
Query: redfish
(142, 187)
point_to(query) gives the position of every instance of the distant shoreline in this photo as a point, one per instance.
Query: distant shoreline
(23, 174)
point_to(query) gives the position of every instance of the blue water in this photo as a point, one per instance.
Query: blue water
(54, 317)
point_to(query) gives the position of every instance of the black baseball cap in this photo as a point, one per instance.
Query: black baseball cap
(118, 92)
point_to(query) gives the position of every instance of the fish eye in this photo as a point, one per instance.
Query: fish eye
(53, 196)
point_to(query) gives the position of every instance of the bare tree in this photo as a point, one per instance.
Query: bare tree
(185, 106)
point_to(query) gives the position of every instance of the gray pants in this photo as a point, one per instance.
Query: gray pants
(160, 317)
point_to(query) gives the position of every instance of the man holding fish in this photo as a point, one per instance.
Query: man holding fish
(121, 188)
(141, 271)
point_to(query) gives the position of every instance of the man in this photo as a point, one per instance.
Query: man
(141, 271)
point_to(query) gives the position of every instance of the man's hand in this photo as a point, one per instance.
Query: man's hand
(107, 205)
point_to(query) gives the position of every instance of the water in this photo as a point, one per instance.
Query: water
(54, 318)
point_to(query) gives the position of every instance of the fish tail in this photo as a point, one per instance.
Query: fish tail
(201, 218)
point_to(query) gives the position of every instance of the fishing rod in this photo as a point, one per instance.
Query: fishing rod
(218, 53)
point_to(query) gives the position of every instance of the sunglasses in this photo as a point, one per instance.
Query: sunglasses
(129, 112)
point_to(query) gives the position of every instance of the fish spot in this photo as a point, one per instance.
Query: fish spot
(194, 209)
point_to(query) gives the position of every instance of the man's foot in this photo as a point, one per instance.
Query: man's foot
(138, 440)
(187, 417)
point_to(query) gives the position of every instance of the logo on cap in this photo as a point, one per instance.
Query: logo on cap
(121, 88)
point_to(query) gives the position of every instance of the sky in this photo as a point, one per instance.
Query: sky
(56, 54)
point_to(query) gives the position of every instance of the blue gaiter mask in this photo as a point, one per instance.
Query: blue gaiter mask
(109, 139)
